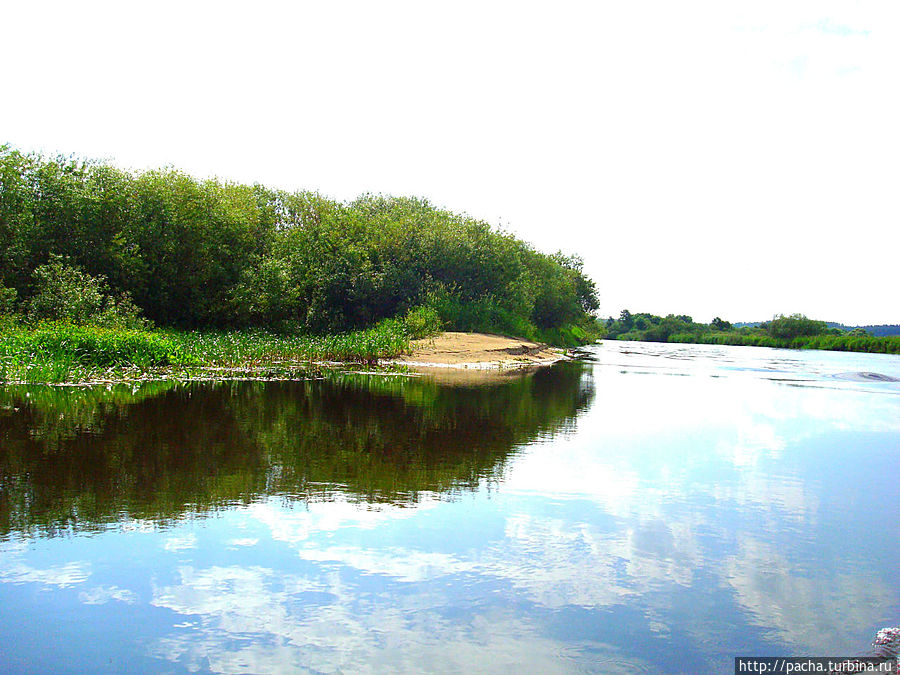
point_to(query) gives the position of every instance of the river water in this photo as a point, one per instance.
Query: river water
(647, 509)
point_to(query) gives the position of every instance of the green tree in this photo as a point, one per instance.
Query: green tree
(795, 325)
(64, 292)
(202, 252)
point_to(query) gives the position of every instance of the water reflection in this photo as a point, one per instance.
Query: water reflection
(75, 459)
(717, 482)
(810, 612)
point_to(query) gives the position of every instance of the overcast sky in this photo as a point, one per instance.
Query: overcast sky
(705, 158)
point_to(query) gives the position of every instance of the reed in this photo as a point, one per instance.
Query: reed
(56, 352)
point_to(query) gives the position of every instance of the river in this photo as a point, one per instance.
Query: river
(648, 508)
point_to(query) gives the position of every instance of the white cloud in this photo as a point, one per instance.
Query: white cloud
(298, 525)
(14, 570)
(813, 614)
(138, 525)
(401, 564)
(180, 543)
(100, 595)
(61, 576)
(348, 631)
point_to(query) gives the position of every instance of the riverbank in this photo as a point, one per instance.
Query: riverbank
(61, 353)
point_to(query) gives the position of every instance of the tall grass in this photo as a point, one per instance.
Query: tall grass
(249, 348)
(57, 352)
(63, 352)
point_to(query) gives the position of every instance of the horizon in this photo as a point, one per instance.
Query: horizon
(705, 159)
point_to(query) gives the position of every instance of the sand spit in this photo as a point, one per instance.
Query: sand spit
(478, 351)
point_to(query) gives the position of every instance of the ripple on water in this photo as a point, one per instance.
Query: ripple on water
(865, 377)
(621, 665)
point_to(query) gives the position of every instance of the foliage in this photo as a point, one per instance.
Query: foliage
(66, 293)
(422, 322)
(63, 352)
(570, 335)
(7, 300)
(795, 325)
(720, 324)
(208, 254)
(792, 332)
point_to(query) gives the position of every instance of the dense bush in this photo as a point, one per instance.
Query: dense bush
(7, 300)
(195, 253)
(66, 293)
(795, 325)
(652, 328)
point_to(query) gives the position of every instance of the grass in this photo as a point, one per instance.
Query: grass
(844, 343)
(61, 352)
(57, 352)
(256, 348)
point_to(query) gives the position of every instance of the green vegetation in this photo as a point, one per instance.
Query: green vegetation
(58, 352)
(877, 330)
(250, 348)
(65, 293)
(788, 332)
(61, 351)
(93, 244)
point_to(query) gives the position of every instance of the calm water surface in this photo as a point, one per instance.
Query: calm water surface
(653, 508)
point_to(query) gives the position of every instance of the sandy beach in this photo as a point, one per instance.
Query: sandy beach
(479, 351)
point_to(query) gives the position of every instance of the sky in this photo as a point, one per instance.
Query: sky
(733, 159)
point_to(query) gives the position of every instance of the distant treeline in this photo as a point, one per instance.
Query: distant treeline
(878, 330)
(193, 253)
(793, 332)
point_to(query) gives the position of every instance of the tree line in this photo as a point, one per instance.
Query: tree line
(795, 331)
(192, 253)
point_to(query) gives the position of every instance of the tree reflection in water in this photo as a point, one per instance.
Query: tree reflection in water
(73, 459)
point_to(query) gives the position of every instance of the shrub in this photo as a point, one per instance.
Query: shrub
(67, 293)
(422, 321)
(795, 325)
(7, 300)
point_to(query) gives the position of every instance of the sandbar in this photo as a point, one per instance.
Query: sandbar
(479, 351)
